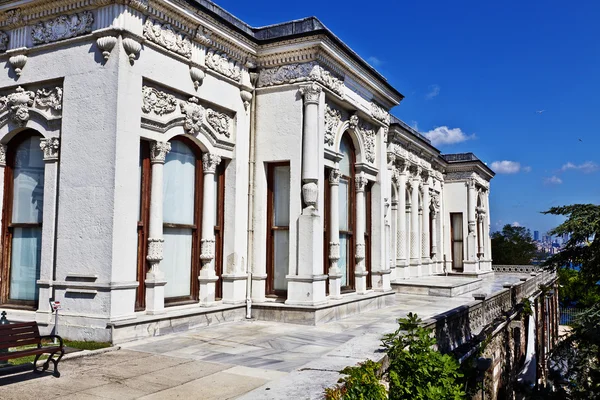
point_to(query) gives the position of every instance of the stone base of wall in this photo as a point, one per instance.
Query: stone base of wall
(334, 310)
(442, 286)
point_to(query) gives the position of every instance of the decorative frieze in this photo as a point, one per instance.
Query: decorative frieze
(50, 147)
(167, 37)
(160, 103)
(3, 41)
(294, 73)
(219, 121)
(62, 27)
(204, 36)
(379, 113)
(49, 98)
(210, 162)
(14, 18)
(333, 119)
(141, 5)
(158, 152)
(222, 64)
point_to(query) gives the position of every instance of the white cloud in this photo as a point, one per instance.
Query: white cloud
(434, 90)
(374, 61)
(516, 223)
(527, 169)
(587, 167)
(445, 135)
(506, 167)
(553, 180)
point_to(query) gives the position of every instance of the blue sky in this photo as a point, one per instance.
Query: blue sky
(476, 73)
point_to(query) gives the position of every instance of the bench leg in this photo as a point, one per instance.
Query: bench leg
(35, 368)
(56, 361)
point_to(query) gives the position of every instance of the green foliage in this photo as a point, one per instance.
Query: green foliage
(76, 344)
(575, 289)
(416, 370)
(361, 383)
(513, 246)
(527, 309)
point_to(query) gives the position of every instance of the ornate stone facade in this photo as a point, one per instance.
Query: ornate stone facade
(51, 148)
(157, 102)
(294, 73)
(224, 65)
(62, 27)
(167, 37)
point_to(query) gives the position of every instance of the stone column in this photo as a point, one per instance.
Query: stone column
(208, 278)
(360, 272)
(470, 264)
(308, 286)
(401, 236)
(486, 225)
(415, 248)
(155, 279)
(335, 276)
(442, 232)
(434, 235)
(393, 241)
(425, 249)
(481, 235)
(51, 148)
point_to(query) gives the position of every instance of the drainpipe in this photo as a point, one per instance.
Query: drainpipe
(251, 175)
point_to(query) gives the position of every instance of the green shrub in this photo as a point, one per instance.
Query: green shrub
(416, 370)
(361, 383)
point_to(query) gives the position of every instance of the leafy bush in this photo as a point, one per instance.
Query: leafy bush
(361, 383)
(416, 370)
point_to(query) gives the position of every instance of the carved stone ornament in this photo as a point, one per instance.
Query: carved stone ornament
(62, 27)
(204, 36)
(158, 152)
(222, 64)
(333, 119)
(160, 103)
(3, 41)
(435, 202)
(379, 113)
(167, 37)
(132, 48)
(294, 73)
(210, 162)
(360, 251)
(334, 251)
(311, 93)
(246, 98)
(18, 104)
(367, 133)
(219, 121)
(194, 115)
(49, 98)
(310, 193)
(14, 18)
(155, 250)
(2, 154)
(18, 62)
(106, 44)
(334, 176)
(197, 76)
(141, 5)
(207, 250)
(50, 147)
(360, 182)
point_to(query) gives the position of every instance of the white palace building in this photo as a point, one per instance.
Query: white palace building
(166, 166)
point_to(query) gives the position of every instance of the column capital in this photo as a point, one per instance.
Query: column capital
(416, 172)
(361, 182)
(210, 162)
(334, 176)
(155, 251)
(158, 152)
(50, 147)
(311, 93)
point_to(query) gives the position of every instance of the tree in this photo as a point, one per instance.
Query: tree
(578, 355)
(513, 246)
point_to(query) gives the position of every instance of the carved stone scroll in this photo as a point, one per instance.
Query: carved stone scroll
(222, 64)
(157, 102)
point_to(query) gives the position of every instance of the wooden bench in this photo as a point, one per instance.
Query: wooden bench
(24, 334)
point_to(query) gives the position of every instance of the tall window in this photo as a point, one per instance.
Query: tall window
(23, 211)
(144, 180)
(347, 212)
(219, 225)
(368, 248)
(456, 232)
(278, 224)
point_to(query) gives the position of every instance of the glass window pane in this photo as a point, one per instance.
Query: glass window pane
(345, 149)
(343, 207)
(177, 262)
(282, 252)
(25, 263)
(281, 195)
(343, 261)
(28, 181)
(179, 185)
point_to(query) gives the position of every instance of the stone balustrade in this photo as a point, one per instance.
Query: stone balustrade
(518, 269)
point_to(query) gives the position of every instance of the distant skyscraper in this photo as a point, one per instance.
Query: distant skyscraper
(536, 235)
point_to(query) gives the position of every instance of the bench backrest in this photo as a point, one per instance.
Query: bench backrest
(20, 334)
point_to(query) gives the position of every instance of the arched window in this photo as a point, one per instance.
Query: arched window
(347, 210)
(23, 212)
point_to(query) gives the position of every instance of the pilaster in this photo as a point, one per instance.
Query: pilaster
(335, 276)
(415, 248)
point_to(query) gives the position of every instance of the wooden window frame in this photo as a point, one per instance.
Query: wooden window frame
(8, 226)
(196, 228)
(368, 234)
(351, 248)
(143, 225)
(270, 290)
(219, 229)
(454, 261)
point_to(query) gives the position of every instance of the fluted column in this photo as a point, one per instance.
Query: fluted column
(360, 273)
(401, 236)
(425, 249)
(306, 286)
(415, 248)
(208, 277)
(155, 279)
(335, 276)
